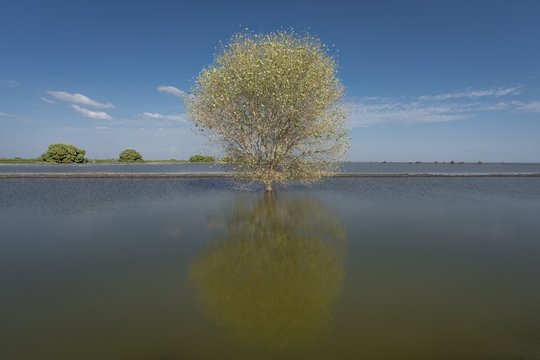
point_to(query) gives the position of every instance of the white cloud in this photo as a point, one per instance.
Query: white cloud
(179, 118)
(171, 90)
(159, 117)
(100, 115)
(3, 114)
(369, 113)
(492, 92)
(371, 110)
(153, 116)
(531, 106)
(47, 100)
(79, 99)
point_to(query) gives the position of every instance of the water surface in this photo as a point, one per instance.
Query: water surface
(374, 268)
(351, 167)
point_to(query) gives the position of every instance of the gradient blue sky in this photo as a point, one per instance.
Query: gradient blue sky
(425, 80)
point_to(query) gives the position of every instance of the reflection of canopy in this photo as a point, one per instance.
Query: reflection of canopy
(273, 277)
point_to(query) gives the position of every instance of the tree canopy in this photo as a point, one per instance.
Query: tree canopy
(64, 153)
(273, 102)
(130, 155)
(202, 158)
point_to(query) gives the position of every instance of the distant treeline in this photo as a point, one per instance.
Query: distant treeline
(66, 153)
(69, 154)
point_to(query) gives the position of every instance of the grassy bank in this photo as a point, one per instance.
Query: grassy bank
(91, 161)
(19, 160)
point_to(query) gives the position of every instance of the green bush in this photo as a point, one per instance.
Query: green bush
(202, 158)
(64, 153)
(130, 155)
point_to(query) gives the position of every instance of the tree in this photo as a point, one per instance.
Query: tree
(130, 155)
(273, 102)
(202, 158)
(64, 153)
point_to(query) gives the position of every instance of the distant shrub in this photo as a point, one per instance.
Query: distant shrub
(130, 155)
(64, 153)
(227, 159)
(202, 158)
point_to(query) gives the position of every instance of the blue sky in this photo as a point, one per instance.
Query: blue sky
(425, 80)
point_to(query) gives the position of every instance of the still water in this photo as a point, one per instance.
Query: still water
(372, 268)
(349, 167)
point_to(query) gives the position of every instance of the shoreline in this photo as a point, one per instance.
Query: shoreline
(221, 175)
(186, 162)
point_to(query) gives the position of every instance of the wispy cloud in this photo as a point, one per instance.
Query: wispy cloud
(79, 99)
(531, 106)
(47, 100)
(370, 111)
(471, 94)
(171, 90)
(12, 83)
(100, 115)
(160, 117)
(153, 116)
(364, 114)
(3, 114)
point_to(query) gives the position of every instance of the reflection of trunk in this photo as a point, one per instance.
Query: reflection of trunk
(269, 176)
(268, 186)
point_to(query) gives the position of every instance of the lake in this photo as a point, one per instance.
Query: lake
(350, 167)
(351, 268)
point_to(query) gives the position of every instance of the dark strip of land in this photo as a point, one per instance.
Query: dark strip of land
(216, 175)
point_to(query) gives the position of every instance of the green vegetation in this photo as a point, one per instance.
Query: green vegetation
(19, 160)
(202, 158)
(172, 161)
(195, 158)
(130, 155)
(39, 160)
(64, 154)
(274, 103)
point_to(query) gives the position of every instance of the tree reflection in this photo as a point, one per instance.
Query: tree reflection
(274, 275)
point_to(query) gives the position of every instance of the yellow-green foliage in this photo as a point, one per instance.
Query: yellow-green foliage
(274, 102)
(64, 153)
(130, 155)
(273, 277)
